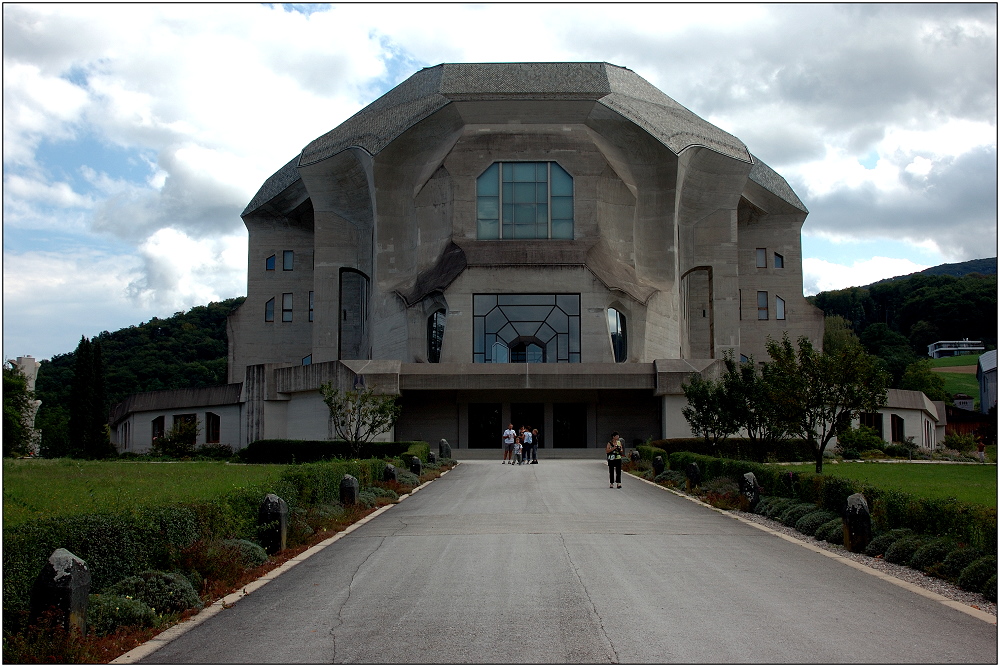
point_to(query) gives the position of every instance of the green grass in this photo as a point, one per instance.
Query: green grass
(45, 488)
(948, 362)
(968, 483)
(961, 383)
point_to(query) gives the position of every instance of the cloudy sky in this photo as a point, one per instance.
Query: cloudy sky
(134, 135)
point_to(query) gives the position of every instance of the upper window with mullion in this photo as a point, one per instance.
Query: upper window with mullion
(524, 200)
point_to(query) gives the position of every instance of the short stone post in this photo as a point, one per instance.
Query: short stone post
(693, 475)
(658, 465)
(416, 466)
(634, 456)
(63, 583)
(857, 524)
(444, 449)
(389, 473)
(431, 457)
(749, 492)
(272, 520)
(349, 490)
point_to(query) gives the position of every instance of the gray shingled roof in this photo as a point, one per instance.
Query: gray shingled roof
(432, 88)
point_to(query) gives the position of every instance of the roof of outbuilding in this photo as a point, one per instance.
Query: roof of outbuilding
(987, 361)
(432, 88)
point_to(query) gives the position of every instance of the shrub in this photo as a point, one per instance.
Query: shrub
(832, 531)
(960, 442)
(215, 452)
(930, 556)
(898, 450)
(382, 492)
(958, 560)
(251, 554)
(367, 498)
(990, 589)
(873, 454)
(902, 550)
(722, 492)
(977, 573)
(811, 522)
(795, 512)
(858, 440)
(778, 506)
(406, 478)
(106, 613)
(878, 545)
(165, 592)
(670, 478)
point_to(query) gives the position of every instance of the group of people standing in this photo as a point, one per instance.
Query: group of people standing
(520, 445)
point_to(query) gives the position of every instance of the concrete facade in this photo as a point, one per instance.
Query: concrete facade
(674, 227)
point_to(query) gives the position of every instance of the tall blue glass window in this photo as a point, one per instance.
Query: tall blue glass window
(526, 328)
(524, 200)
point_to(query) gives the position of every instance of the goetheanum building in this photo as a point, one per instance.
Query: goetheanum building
(558, 245)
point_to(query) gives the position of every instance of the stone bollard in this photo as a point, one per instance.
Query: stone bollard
(431, 457)
(634, 456)
(749, 491)
(444, 449)
(658, 465)
(63, 583)
(389, 473)
(272, 520)
(415, 466)
(857, 524)
(693, 475)
(349, 490)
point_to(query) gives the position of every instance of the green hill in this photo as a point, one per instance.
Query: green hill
(186, 350)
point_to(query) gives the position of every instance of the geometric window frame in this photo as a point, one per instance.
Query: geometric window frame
(526, 328)
(524, 200)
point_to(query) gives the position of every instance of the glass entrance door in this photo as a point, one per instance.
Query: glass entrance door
(531, 415)
(485, 429)
(569, 424)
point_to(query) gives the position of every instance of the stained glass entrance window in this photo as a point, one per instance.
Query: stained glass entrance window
(526, 328)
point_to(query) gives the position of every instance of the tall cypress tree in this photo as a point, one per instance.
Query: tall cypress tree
(81, 406)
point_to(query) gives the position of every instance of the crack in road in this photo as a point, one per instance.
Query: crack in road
(613, 658)
(350, 588)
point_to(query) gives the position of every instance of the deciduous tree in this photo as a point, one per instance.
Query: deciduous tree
(358, 415)
(707, 409)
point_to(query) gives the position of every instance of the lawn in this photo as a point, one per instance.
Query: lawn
(969, 483)
(40, 488)
(948, 362)
(961, 383)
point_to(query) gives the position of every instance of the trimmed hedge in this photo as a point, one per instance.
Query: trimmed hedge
(648, 453)
(311, 451)
(740, 449)
(811, 522)
(124, 544)
(965, 522)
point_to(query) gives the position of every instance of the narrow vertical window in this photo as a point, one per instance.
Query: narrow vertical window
(779, 261)
(779, 308)
(158, 427)
(287, 258)
(761, 258)
(269, 310)
(619, 335)
(435, 336)
(286, 307)
(213, 427)
(310, 306)
(269, 263)
(761, 305)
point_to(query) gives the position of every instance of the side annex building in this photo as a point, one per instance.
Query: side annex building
(559, 245)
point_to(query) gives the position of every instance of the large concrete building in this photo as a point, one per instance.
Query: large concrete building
(552, 244)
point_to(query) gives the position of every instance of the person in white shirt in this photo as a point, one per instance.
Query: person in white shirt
(528, 440)
(508, 443)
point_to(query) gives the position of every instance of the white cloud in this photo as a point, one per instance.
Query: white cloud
(820, 275)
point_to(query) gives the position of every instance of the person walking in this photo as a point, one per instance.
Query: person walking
(508, 443)
(981, 449)
(527, 439)
(615, 450)
(534, 445)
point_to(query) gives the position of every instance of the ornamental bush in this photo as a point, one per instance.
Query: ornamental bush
(795, 512)
(902, 550)
(959, 559)
(832, 531)
(775, 509)
(250, 553)
(977, 573)
(165, 592)
(990, 589)
(811, 522)
(878, 545)
(930, 556)
(107, 613)
(670, 478)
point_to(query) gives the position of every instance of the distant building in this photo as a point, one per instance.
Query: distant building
(963, 401)
(954, 348)
(908, 414)
(986, 373)
(557, 245)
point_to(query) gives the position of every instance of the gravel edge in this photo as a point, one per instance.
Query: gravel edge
(907, 574)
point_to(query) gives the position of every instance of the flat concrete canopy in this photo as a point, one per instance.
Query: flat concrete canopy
(545, 564)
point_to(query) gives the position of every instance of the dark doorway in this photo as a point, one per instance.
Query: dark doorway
(569, 423)
(485, 429)
(531, 415)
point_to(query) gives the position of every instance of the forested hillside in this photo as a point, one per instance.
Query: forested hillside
(186, 350)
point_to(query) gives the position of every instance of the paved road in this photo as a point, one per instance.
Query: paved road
(545, 564)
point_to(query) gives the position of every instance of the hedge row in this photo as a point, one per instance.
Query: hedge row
(975, 525)
(122, 544)
(310, 451)
(741, 449)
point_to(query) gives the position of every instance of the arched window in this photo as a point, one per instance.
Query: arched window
(435, 335)
(619, 334)
(524, 200)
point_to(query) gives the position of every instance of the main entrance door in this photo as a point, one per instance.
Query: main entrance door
(569, 424)
(531, 415)
(485, 429)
